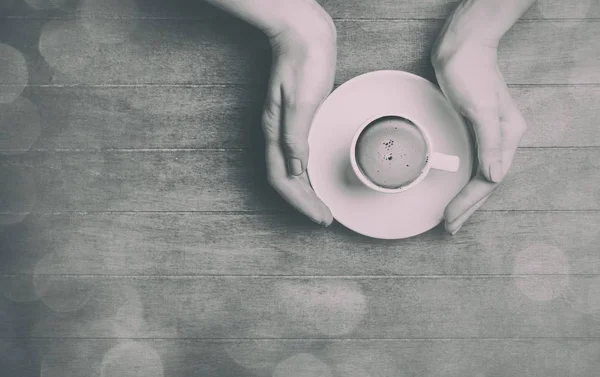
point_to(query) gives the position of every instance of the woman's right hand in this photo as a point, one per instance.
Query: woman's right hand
(302, 76)
(303, 42)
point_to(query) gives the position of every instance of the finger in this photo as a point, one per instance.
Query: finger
(297, 119)
(468, 198)
(486, 126)
(455, 226)
(476, 193)
(512, 122)
(295, 190)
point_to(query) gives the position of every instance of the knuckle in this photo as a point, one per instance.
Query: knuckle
(269, 131)
(270, 123)
(293, 140)
(271, 108)
(295, 144)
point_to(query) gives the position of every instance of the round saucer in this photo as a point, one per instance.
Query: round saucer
(361, 209)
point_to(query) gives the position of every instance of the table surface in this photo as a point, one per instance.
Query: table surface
(139, 236)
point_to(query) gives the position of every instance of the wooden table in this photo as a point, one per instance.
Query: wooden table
(140, 237)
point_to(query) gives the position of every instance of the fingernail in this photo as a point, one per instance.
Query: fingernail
(457, 229)
(449, 228)
(496, 172)
(295, 166)
(319, 222)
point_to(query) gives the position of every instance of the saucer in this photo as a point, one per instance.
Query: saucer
(359, 208)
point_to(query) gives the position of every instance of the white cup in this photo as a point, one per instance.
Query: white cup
(433, 160)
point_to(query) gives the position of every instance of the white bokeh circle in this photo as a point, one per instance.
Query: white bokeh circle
(98, 18)
(62, 293)
(332, 307)
(542, 272)
(66, 47)
(14, 74)
(132, 359)
(302, 365)
(256, 355)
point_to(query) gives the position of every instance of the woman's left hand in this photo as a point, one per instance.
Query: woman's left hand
(468, 74)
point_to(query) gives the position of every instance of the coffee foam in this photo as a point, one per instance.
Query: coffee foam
(391, 152)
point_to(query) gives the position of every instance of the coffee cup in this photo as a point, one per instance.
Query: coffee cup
(391, 154)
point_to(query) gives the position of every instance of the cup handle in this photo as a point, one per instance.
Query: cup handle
(445, 162)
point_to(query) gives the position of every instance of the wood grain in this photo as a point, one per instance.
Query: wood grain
(226, 180)
(378, 9)
(386, 9)
(218, 52)
(261, 244)
(546, 306)
(93, 118)
(435, 358)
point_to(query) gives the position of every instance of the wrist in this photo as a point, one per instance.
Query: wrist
(305, 22)
(465, 29)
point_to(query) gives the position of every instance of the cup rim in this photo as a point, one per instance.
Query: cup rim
(366, 181)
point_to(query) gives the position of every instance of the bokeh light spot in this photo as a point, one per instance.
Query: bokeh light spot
(302, 365)
(14, 74)
(20, 126)
(256, 355)
(66, 47)
(60, 292)
(538, 260)
(98, 19)
(132, 359)
(332, 307)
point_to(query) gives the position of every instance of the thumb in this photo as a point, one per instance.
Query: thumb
(297, 120)
(486, 125)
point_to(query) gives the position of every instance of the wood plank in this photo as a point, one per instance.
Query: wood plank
(377, 9)
(236, 244)
(522, 306)
(181, 358)
(226, 180)
(93, 118)
(385, 9)
(219, 52)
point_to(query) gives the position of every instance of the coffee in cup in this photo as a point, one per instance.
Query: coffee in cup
(391, 154)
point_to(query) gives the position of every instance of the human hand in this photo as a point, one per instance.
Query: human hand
(302, 75)
(468, 74)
